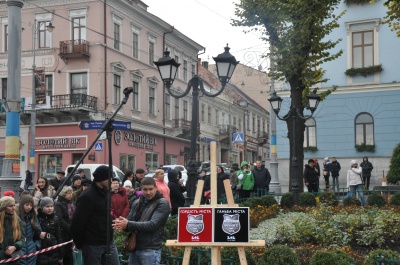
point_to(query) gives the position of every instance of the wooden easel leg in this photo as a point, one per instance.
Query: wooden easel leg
(215, 255)
(242, 256)
(186, 256)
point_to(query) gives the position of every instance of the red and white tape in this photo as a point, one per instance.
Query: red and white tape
(35, 253)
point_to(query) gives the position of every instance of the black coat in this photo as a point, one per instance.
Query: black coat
(89, 223)
(51, 225)
(176, 197)
(335, 168)
(220, 184)
(310, 175)
(366, 168)
(262, 178)
(61, 208)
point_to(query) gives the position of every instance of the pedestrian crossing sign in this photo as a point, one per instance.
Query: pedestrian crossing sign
(98, 147)
(238, 138)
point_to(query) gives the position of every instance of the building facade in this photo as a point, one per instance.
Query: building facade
(361, 117)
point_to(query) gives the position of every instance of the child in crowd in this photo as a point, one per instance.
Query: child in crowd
(12, 237)
(31, 228)
(52, 233)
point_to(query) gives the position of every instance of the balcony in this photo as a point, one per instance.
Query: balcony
(182, 124)
(74, 49)
(225, 131)
(262, 138)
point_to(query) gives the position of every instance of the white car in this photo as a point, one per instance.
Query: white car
(167, 168)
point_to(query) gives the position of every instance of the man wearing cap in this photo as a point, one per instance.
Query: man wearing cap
(138, 178)
(89, 223)
(56, 182)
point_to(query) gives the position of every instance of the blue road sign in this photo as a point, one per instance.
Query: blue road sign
(98, 147)
(96, 125)
(238, 138)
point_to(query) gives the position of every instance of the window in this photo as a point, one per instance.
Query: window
(209, 115)
(78, 88)
(152, 160)
(152, 42)
(240, 125)
(117, 89)
(49, 165)
(234, 123)
(177, 108)
(177, 60)
(79, 30)
(171, 159)
(203, 109)
(248, 123)
(185, 70)
(185, 110)
(44, 34)
(117, 36)
(193, 70)
(254, 124)
(152, 100)
(4, 88)
(167, 107)
(216, 117)
(364, 124)
(223, 118)
(5, 38)
(363, 49)
(258, 127)
(127, 162)
(310, 138)
(135, 96)
(135, 45)
(49, 87)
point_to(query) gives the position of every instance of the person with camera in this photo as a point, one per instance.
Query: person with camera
(354, 181)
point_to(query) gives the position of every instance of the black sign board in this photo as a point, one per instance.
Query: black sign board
(231, 224)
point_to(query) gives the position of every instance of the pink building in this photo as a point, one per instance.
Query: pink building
(95, 51)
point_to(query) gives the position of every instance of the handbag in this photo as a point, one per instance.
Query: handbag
(325, 172)
(207, 194)
(77, 258)
(130, 242)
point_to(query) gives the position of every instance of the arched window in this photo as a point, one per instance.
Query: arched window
(310, 133)
(364, 125)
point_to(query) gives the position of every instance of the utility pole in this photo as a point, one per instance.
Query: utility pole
(11, 178)
(274, 186)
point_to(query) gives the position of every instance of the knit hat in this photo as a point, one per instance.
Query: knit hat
(101, 173)
(353, 162)
(26, 198)
(127, 183)
(76, 177)
(45, 201)
(326, 158)
(65, 190)
(5, 201)
(9, 193)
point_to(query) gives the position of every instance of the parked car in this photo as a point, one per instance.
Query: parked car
(90, 168)
(167, 168)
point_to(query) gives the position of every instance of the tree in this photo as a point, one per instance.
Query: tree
(297, 30)
(393, 15)
(393, 176)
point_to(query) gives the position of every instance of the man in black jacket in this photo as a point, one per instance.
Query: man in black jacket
(335, 168)
(148, 216)
(175, 194)
(311, 176)
(262, 178)
(89, 223)
(366, 171)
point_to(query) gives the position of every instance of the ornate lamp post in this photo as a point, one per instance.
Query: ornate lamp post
(168, 68)
(313, 101)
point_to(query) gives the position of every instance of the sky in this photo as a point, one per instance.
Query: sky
(207, 22)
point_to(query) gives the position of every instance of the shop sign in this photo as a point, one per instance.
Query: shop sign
(16, 168)
(61, 143)
(137, 140)
(195, 224)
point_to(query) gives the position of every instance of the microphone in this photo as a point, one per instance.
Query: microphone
(128, 90)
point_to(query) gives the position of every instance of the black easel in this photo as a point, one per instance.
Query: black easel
(108, 128)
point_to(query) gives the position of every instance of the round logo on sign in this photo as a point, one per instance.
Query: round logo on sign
(117, 137)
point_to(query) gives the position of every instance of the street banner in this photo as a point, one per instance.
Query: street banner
(40, 86)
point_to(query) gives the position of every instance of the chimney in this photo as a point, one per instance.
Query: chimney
(205, 64)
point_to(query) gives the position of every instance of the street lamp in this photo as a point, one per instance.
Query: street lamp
(313, 101)
(168, 68)
(244, 104)
(35, 29)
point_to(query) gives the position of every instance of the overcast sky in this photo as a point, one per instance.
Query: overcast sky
(207, 22)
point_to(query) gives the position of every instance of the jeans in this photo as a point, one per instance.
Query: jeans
(359, 189)
(92, 254)
(145, 257)
(335, 182)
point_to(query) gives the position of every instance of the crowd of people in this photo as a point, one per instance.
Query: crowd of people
(357, 178)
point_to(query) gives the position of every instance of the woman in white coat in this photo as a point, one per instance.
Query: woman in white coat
(354, 181)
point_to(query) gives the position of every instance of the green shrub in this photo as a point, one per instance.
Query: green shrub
(388, 254)
(329, 198)
(395, 199)
(252, 202)
(171, 229)
(349, 201)
(268, 200)
(307, 199)
(393, 175)
(375, 199)
(119, 240)
(331, 257)
(279, 255)
(232, 252)
(287, 200)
